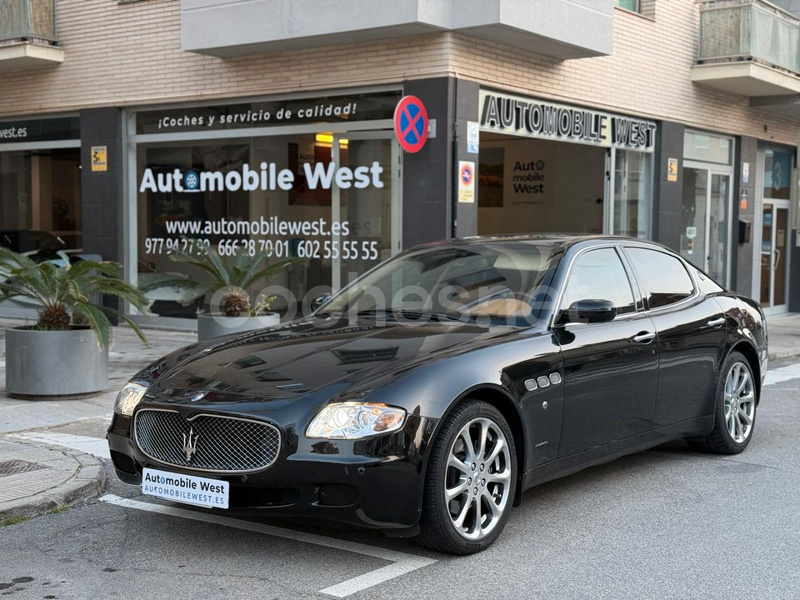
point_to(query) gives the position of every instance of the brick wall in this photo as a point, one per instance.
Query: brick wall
(130, 54)
(127, 54)
(648, 74)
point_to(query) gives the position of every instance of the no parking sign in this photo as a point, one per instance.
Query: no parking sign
(466, 181)
(411, 124)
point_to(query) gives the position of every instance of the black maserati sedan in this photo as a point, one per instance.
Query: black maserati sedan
(424, 397)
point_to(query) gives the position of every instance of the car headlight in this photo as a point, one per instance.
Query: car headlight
(128, 397)
(353, 420)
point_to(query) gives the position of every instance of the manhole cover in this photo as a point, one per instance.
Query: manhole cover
(15, 467)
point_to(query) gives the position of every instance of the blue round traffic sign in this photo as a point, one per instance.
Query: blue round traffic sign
(411, 124)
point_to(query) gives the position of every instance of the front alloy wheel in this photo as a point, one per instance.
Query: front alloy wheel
(477, 480)
(471, 480)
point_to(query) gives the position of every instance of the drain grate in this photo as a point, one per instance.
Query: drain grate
(15, 467)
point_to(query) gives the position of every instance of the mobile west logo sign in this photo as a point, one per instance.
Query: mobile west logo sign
(515, 115)
(268, 177)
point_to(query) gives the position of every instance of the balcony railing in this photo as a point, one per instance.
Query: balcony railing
(749, 30)
(28, 20)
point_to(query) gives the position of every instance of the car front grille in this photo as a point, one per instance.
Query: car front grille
(206, 442)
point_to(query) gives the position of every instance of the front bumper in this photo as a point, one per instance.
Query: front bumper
(376, 482)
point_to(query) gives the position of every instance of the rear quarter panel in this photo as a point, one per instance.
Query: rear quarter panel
(746, 323)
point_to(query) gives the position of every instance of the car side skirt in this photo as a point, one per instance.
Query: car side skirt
(573, 463)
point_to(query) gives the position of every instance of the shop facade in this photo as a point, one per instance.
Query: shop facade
(320, 181)
(295, 154)
(309, 180)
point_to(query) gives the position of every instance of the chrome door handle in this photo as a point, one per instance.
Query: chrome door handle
(644, 337)
(716, 322)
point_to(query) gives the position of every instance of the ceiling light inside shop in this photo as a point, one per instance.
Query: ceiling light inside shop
(327, 138)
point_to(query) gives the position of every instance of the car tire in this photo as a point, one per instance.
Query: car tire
(734, 406)
(488, 479)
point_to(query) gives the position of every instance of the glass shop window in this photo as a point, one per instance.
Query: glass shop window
(40, 201)
(280, 196)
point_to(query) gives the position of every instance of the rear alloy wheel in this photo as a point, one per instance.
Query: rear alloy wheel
(735, 408)
(471, 480)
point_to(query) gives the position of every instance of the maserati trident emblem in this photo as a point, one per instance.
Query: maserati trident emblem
(190, 444)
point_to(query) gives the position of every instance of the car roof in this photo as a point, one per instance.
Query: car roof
(563, 240)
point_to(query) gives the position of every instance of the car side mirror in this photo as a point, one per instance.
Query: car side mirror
(319, 301)
(589, 311)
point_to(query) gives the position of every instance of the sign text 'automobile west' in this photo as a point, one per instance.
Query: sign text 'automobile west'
(516, 115)
(268, 177)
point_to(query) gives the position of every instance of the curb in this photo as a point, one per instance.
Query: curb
(87, 483)
(786, 354)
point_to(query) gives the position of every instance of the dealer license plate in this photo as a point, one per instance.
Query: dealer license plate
(188, 489)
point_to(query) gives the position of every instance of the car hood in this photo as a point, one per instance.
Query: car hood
(318, 357)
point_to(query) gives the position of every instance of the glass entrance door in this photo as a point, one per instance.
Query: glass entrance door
(706, 223)
(719, 225)
(369, 215)
(774, 257)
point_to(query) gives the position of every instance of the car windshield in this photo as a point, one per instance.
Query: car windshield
(490, 280)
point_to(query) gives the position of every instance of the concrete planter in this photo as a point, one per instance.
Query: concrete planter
(54, 363)
(211, 326)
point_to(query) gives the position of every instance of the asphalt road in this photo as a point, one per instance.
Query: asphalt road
(663, 524)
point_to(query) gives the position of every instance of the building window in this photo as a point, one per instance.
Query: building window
(40, 200)
(777, 174)
(707, 147)
(707, 203)
(632, 5)
(321, 194)
(330, 234)
(632, 197)
(40, 187)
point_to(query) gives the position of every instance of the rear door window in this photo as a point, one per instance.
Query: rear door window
(664, 278)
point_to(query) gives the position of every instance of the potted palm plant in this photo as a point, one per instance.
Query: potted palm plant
(66, 351)
(231, 310)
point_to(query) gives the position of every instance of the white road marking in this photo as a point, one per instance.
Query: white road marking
(90, 445)
(402, 563)
(782, 374)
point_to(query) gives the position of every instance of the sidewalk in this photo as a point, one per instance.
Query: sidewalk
(37, 477)
(784, 336)
(126, 357)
